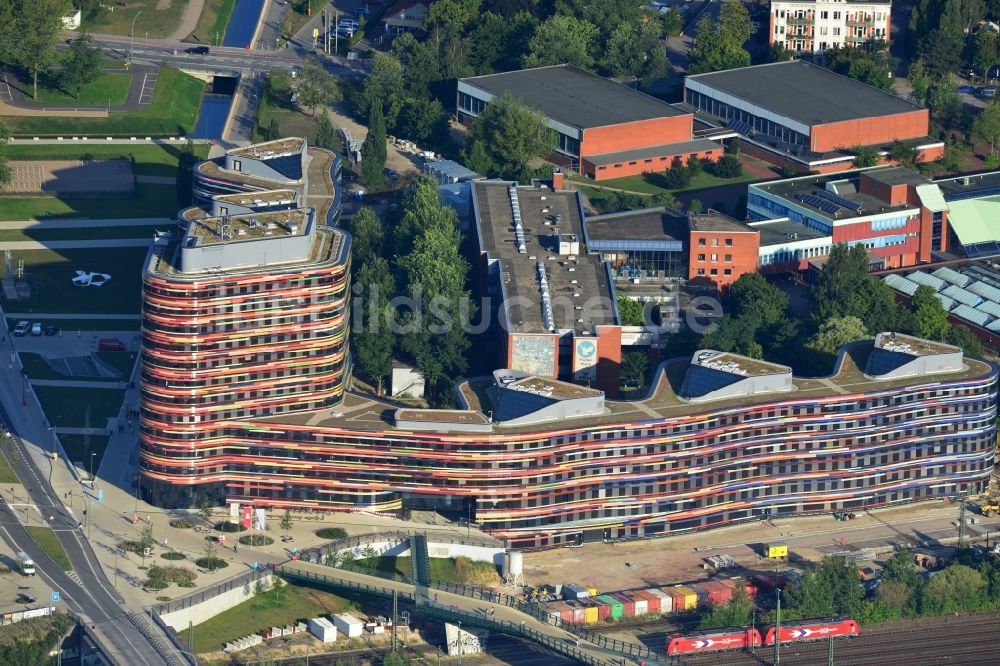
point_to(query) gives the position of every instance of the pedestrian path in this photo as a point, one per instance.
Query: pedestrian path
(75, 244)
(63, 315)
(67, 430)
(82, 222)
(156, 180)
(77, 383)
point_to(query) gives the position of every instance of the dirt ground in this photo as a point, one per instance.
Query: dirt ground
(402, 163)
(676, 559)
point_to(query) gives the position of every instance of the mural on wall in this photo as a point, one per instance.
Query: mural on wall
(534, 354)
(584, 359)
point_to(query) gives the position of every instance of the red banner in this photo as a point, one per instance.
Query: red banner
(247, 515)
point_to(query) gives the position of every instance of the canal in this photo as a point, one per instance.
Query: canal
(215, 104)
(243, 22)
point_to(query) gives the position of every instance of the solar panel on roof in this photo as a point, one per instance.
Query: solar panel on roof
(839, 200)
(816, 202)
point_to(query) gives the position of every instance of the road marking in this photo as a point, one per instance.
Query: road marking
(148, 81)
(5, 94)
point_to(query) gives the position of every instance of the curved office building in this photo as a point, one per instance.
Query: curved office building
(721, 438)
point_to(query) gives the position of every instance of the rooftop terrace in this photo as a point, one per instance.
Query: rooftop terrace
(251, 226)
(269, 149)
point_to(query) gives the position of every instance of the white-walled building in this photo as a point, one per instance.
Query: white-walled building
(810, 26)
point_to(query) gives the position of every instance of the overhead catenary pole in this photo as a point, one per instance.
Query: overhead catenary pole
(777, 630)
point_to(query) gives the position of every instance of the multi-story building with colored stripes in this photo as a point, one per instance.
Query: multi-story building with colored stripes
(719, 439)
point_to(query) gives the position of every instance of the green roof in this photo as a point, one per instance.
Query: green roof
(975, 220)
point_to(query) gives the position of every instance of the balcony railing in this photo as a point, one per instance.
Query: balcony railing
(861, 23)
(795, 20)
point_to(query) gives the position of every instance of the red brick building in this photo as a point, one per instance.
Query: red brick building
(605, 130)
(722, 249)
(807, 116)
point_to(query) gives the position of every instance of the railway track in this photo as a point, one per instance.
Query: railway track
(965, 640)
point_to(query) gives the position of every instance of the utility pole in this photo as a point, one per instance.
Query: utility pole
(190, 634)
(961, 521)
(395, 617)
(753, 628)
(777, 630)
(829, 652)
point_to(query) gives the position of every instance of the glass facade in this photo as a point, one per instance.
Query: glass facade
(729, 113)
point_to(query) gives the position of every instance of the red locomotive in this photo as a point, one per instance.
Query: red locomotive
(708, 641)
(811, 631)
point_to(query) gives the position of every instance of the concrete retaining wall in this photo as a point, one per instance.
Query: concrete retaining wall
(198, 613)
(443, 550)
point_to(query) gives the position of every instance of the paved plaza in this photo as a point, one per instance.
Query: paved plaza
(69, 177)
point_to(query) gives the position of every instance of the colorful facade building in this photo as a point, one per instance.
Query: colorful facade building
(810, 26)
(542, 463)
(604, 129)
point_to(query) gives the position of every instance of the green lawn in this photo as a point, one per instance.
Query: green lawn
(277, 104)
(81, 233)
(297, 15)
(108, 88)
(443, 570)
(48, 542)
(653, 183)
(212, 23)
(148, 17)
(123, 362)
(71, 326)
(79, 448)
(50, 274)
(148, 201)
(67, 407)
(158, 159)
(38, 368)
(295, 603)
(173, 113)
(6, 471)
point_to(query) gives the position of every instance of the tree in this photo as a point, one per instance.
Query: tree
(694, 165)
(944, 102)
(987, 125)
(373, 151)
(5, 172)
(986, 50)
(81, 66)
(286, 521)
(506, 136)
(956, 588)
(326, 135)
(631, 311)
(316, 86)
(634, 365)
(844, 287)
(562, 39)
(146, 539)
(719, 44)
(367, 236)
(871, 64)
(372, 337)
(673, 22)
(930, 317)
(274, 132)
(920, 81)
(837, 332)
(960, 336)
(419, 62)
(678, 176)
(501, 41)
(780, 53)
(943, 37)
(205, 509)
(695, 206)
(395, 659)
(634, 52)
(903, 153)
(727, 166)
(831, 589)
(421, 120)
(383, 87)
(211, 552)
(865, 156)
(753, 297)
(29, 38)
(734, 613)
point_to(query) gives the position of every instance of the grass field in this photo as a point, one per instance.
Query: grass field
(277, 105)
(46, 539)
(71, 326)
(50, 274)
(173, 113)
(149, 201)
(443, 570)
(37, 368)
(294, 603)
(212, 23)
(79, 448)
(81, 233)
(6, 471)
(67, 407)
(159, 159)
(123, 362)
(108, 88)
(297, 15)
(654, 183)
(151, 19)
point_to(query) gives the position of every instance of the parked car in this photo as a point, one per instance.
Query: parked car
(22, 328)
(51, 329)
(36, 328)
(110, 345)
(197, 50)
(348, 23)
(987, 91)
(969, 90)
(25, 599)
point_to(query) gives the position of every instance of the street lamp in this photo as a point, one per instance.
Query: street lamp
(131, 47)
(92, 454)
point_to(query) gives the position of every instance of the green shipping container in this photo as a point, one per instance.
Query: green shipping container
(617, 610)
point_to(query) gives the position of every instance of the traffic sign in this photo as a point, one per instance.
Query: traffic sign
(55, 597)
(100, 494)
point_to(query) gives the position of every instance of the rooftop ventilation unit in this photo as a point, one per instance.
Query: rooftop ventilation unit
(543, 284)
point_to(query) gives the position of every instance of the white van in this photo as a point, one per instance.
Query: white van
(36, 328)
(26, 564)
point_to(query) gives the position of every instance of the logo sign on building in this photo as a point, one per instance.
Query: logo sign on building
(260, 519)
(584, 359)
(247, 515)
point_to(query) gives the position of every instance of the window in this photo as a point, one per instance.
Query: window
(728, 271)
(729, 258)
(701, 257)
(824, 15)
(701, 242)
(729, 242)
(836, 32)
(237, 165)
(701, 271)
(836, 16)
(715, 242)
(715, 271)
(715, 257)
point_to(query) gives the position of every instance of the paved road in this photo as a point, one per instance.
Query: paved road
(140, 92)
(85, 589)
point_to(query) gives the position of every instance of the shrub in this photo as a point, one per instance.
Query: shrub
(256, 540)
(173, 556)
(163, 598)
(186, 583)
(727, 167)
(331, 533)
(229, 527)
(131, 546)
(181, 524)
(154, 584)
(170, 574)
(212, 563)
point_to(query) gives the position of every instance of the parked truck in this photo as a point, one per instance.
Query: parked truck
(26, 564)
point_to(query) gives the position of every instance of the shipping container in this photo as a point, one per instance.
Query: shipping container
(641, 605)
(592, 591)
(571, 592)
(690, 597)
(554, 610)
(590, 612)
(348, 625)
(652, 602)
(700, 592)
(579, 614)
(603, 610)
(617, 610)
(666, 601)
(676, 599)
(776, 550)
(718, 592)
(628, 606)
(567, 613)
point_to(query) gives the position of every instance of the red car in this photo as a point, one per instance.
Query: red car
(111, 345)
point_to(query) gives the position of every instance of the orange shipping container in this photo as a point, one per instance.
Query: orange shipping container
(690, 597)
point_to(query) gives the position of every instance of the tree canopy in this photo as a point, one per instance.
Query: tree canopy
(719, 44)
(506, 137)
(81, 65)
(316, 86)
(28, 32)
